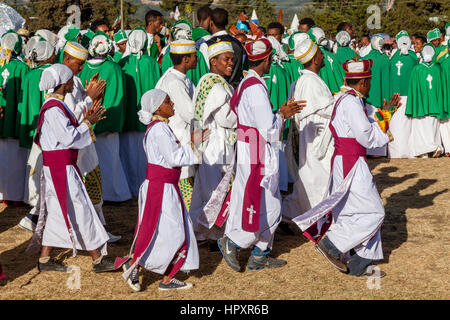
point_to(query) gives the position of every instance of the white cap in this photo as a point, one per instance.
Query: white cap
(343, 38)
(377, 42)
(41, 51)
(150, 102)
(54, 76)
(218, 48)
(182, 46)
(76, 50)
(137, 40)
(305, 51)
(428, 53)
(99, 45)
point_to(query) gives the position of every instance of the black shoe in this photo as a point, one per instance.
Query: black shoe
(265, 262)
(338, 264)
(52, 265)
(230, 253)
(106, 265)
(175, 284)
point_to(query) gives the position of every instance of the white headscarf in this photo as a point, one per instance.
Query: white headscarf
(137, 42)
(150, 102)
(54, 76)
(41, 51)
(343, 38)
(48, 35)
(377, 42)
(428, 53)
(99, 45)
(280, 55)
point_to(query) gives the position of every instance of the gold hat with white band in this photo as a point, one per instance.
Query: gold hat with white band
(182, 46)
(76, 50)
(218, 48)
(305, 51)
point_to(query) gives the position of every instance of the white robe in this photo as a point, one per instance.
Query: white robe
(180, 90)
(425, 135)
(315, 145)
(254, 110)
(444, 128)
(161, 149)
(58, 134)
(13, 161)
(400, 128)
(358, 219)
(133, 160)
(216, 152)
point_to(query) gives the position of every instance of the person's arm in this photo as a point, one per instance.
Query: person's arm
(184, 107)
(222, 113)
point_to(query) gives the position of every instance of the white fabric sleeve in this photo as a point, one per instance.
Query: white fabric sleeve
(218, 103)
(66, 134)
(369, 135)
(174, 154)
(183, 104)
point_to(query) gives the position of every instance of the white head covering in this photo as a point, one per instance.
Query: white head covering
(48, 35)
(377, 42)
(99, 45)
(182, 30)
(76, 50)
(54, 76)
(403, 42)
(150, 102)
(10, 41)
(299, 37)
(343, 38)
(137, 41)
(182, 46)
(305, 51)
(319, 34)
(428, 53)
(41, 51)
(279, 55)
(218, 48)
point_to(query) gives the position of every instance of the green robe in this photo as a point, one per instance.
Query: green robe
(438, 50)
(141, 75)
(331, 73)
(29, 106)
(292, 68)
(194, 74)
(425, 96)
(11, 77)
(401, 67)
(117, 56)
(114, 94)
(379, 89)
(343, 54)
(153, 51)
(198, 33)
(445, 69)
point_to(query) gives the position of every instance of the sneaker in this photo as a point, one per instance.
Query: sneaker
(333, 261)
(52, 265)
(175, 284)
(29, 222)
(133, 280)
(113, 238)
(230, 253)
(105, 265)
(373, 272)
(265, 262)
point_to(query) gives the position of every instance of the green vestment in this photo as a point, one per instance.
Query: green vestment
(331, 73)
(141, 75)
(401, 67)
(379, 88)
(117, 56)
(292, 68)
(114, 94)
(198, 33)
(194, 74)
(445, 69)
(11, 77)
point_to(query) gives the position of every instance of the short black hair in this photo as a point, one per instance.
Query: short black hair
(354, 82)
(308, 21)
(342, 26)
(263, 29)
(422, 38)
(252, 64)
(276, 25)
(99, 22)
(220, 17)
(365, 36)
(203, 13)
(177, 58)
(152, 15)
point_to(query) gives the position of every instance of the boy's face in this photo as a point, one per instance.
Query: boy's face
(166, 110)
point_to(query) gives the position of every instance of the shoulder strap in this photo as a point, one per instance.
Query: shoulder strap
(236, 97)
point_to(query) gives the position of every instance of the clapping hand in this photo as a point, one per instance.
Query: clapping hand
(291, 107)
(393, 102)
(95, 113)
(95, 87)
(199, 136)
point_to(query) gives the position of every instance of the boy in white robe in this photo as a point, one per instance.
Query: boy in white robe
(67, 217)
(212, 110)
(164, 240)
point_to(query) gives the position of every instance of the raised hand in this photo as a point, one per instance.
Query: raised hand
(199, 136)
(95, 113)
(291, 107)
(95, 89)
(393, 102)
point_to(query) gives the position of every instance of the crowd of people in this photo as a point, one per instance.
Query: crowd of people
(208, 128)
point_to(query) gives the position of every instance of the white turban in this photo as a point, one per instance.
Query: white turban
(150, 102)
(404, 44)
(54, 76)
(41, 51)
(343, 38)
(319, 34)
(305, 51)
(100, 45)
(137, 41)
(11, 41)
(48, 35)
(279, 56)
(428, 53)
(377, 42)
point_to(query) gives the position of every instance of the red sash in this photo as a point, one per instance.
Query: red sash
(157, 177)
(58, 160)
(350, 150)
(251, 208)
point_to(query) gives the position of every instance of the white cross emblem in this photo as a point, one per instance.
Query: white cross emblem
(5, 75)
(251, 213)
(399, 65)
(182, 254)
(429, 79)
(331, 62)
(225, 212)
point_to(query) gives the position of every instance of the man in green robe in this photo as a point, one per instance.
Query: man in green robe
(203, 19)
(293, 66)
(434, 37)
(12, 157)
(344, 52)
(141, 75)
(67, 33)
(445, 123)
(156, 42)
(114, 183)
(182, 29)
(379, 89)
(425, 105)
(120, 40)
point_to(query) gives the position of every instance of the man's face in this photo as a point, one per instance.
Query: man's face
(74, 64)
(365, 86)
(122, 46)
(303, 27)
(418, 45)
(155, 26)
(268, 63)
(351, 31)
(365, 41)
(192, 61)
(223, 64)
(320, 58)
(436, 42)
(275, 32)
(103, 28)
(68, 86)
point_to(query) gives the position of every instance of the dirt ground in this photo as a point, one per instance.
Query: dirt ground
(415, 235)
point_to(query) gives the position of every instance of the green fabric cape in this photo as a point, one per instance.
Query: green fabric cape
(292, 67)
(117, 56)
(197, 33)
(29, 106)
(114, 97)
(423, 100)
(195, 74)
(332, 72)
(401, 67)
(445, 69)
(380, 88)
(152, 51)
(141, 75)
(9, 97)
(343, 54)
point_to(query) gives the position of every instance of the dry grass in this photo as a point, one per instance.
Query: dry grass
(416, 241)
